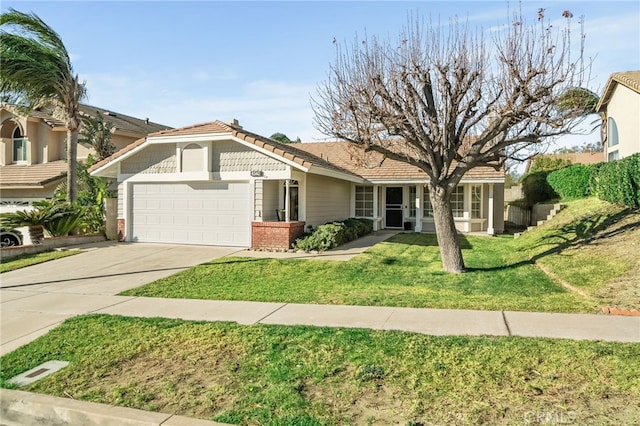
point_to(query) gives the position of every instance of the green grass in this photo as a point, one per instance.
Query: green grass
(406, 271)
(403, 271)
(33, 259)
(276, 375)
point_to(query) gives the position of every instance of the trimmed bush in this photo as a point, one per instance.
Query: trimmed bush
(333, 234)
(619, 181)
(536, 188)
(571, 182)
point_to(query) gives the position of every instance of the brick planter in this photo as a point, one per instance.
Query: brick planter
(275, 235)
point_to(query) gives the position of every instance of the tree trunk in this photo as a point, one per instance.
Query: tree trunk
(36, 233)
(72, 165)
(446, 232)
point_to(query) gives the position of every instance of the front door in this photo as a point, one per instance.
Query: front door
(393, 207)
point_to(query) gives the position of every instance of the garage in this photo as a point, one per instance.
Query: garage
(191, 213)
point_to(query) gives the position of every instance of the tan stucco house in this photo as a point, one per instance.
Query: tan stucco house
(218, 184)
(620, 104)
(33, 150)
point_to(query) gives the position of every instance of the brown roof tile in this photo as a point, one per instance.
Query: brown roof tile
(336, 156)
(33, 175)
(629, 79)
(370, 166)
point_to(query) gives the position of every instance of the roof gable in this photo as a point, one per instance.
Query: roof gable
(337, 157)
(305, 160)
(628, 79)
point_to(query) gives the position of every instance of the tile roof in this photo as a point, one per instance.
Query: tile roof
(120, 121)
(371, 167)
(288, 151)
(629, 79)
(19, 175)
(335, 156)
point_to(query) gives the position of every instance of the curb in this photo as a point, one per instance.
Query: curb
(26, 408)
(623, 312)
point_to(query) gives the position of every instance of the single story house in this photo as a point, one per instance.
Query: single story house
(218, 184)
(620, 106)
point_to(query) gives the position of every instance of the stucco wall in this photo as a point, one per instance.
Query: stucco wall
(327, 199)
(624, 108)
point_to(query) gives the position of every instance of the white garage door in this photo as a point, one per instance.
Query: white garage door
(192, 213)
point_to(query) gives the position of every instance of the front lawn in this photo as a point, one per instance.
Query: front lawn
(590, 245)
(403, 271)
(276, 375)
(34, 259)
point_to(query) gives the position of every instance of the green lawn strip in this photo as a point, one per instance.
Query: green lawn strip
(312, 376)
(34, 259)
(403, 271)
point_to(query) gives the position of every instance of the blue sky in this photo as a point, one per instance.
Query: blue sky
(187, 62)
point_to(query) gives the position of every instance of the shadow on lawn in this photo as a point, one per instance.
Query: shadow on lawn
(586, 230)
(425, 240)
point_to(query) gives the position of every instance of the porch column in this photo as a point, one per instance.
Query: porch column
(375, 208)
(287, 201)
(419, 204)
(490, 228)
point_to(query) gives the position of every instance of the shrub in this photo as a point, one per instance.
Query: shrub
(619, 181)
(536, 188)
(571, 182)
(333, 234)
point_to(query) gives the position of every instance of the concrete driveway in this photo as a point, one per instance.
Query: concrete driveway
(34, 300)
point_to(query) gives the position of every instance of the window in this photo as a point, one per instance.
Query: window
(364, 201)
(612, 132)
(427, 208)
(476, 201)
(19, 146)
(412, 201)
(457, 201)
(613, 156)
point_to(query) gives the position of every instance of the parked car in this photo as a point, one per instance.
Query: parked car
(10, 237)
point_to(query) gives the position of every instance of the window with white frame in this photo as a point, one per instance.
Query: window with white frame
(457, 201)
(19, 146)
(612, 133)
(476, 201)
(427, 208)
(364, 201)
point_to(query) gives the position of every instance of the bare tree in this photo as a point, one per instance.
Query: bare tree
(445, 100)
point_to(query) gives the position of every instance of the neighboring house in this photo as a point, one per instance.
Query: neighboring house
(218, 184)
(620, 104)
(33, 150)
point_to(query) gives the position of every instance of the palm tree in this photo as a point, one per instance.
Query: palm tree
(97, 133)
(36, 71)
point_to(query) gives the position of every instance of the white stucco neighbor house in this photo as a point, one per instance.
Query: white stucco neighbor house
(620, 104)
(218, 184)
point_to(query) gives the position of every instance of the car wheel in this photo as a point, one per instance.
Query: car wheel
(7, 240)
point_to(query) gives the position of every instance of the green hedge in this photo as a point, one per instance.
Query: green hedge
(571, 182)
(618, 181)
(536, 188)
(333, 234)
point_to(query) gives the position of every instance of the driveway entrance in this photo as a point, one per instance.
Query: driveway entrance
(37, 298)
